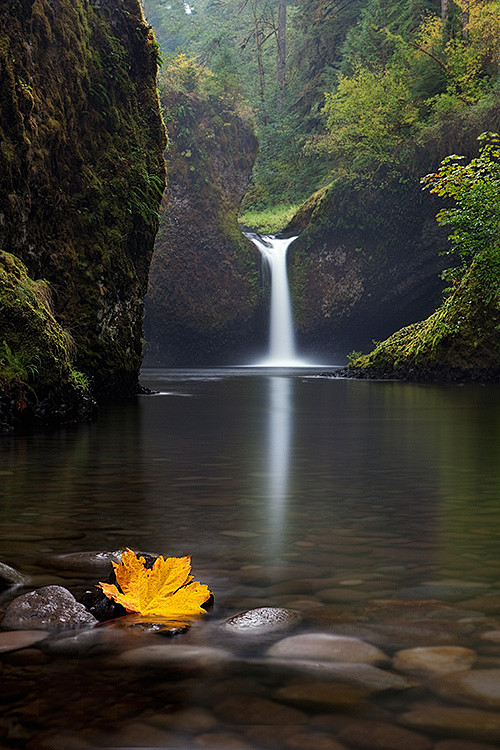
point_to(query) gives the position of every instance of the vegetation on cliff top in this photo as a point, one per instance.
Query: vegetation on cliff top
(462, 338)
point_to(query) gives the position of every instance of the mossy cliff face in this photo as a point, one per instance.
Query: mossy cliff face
(37, 381)
(202, 306)
(366, 263)
(82, 170)
(460, 341)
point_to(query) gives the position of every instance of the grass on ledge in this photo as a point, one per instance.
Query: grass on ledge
(268, 220)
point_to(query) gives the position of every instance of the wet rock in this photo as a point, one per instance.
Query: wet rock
(259, 733)
(450, 591)
(11, 577)
(491, 635)
(99, 605)
(170, 654)
(463, 745)
(341, 595)
(362, 675)
(59, 741)
(451, 720)
(312, 741)
(252, 709)
(327, 647)
(48, 608)
(221, 741)
(137, 734)
(262, 621)
(90, 642)
(479, 687)
(95, 563)
(434, 660)
(378, 735)
(20, 639)
(406, 634)
(322, 695)
(192, 720)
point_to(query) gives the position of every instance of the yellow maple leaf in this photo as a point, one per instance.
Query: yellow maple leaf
(165, 590)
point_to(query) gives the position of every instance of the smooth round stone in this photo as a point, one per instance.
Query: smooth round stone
(311, 741)
(95, 562)
(479, 687)
(340, 595)
(192, 720)
(378, 735)
(454, 720)
(221, 741)
(200, 657)
(363, 675)
(262, 621)
(20, 639)
(327, 647)
(434, 660)
(90, 641)
(463, 745)
(48, 608)
(11, 577)
(252, 709)
(322, 695)
(491, 635)
(450, 591)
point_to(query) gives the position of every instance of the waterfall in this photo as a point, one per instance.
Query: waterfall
(282, 352)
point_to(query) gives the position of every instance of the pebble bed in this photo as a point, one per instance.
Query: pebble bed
(291, 656)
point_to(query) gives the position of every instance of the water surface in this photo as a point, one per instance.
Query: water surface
(350, 501)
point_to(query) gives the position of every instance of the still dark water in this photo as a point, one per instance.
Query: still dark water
(373, 508)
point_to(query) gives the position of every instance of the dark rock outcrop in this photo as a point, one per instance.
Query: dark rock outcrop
(369, 258)
(459, 342)
(367, 262)
(82, 170)
(203, 302)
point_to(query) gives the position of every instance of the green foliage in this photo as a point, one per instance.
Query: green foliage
(475, 190)
(269, 220)
(369, 118)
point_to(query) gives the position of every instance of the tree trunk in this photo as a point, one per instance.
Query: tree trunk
(444, 9)
(281, 54)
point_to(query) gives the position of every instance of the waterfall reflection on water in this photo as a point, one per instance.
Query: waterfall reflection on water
(280, 436)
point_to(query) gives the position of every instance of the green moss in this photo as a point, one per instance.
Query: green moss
(462, 336)
(82, 169)
(269, 220)
(35, 352)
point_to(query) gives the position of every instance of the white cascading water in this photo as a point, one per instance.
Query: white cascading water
(282, 352)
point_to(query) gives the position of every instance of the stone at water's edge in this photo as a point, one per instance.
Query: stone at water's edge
(20, 639)
(47, 608)
(262, 621)
(458, 721)
(378, 735)
(326, 647)
(479, 687)
(94, 562)
(434, 660)
(11, 577)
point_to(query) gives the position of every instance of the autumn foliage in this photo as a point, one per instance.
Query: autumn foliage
(165, 590)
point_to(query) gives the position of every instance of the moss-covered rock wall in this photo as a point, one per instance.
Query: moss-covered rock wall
(82, 169)
(203, 304)
(38, 384)
(460, 341)
(369, 258)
